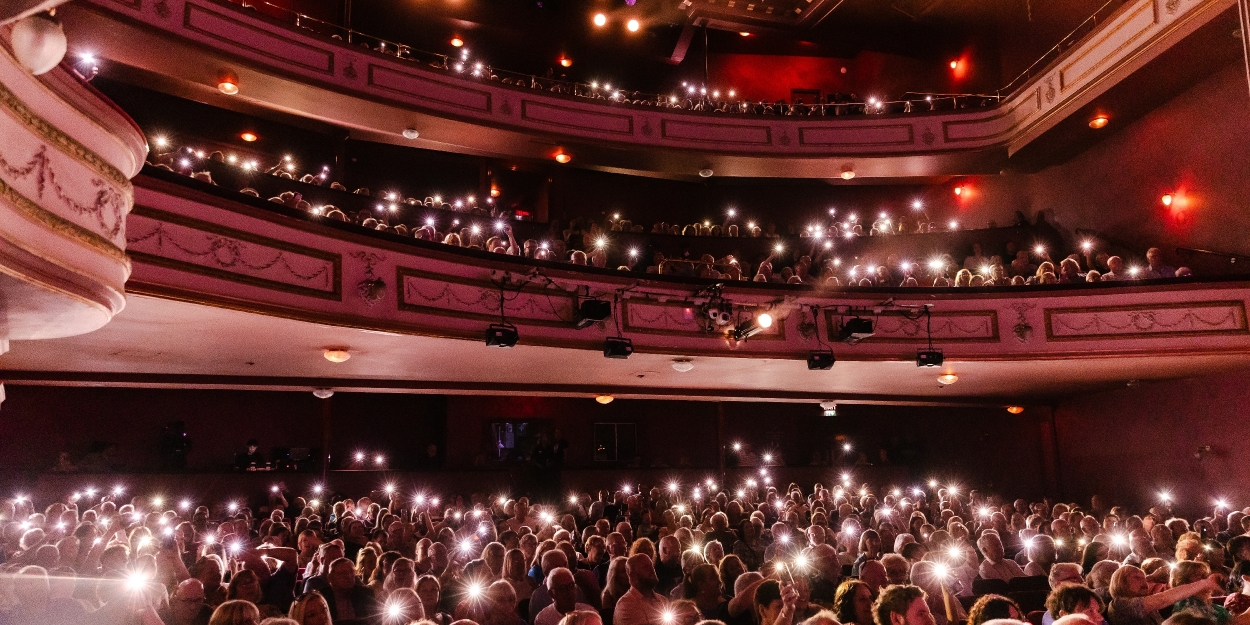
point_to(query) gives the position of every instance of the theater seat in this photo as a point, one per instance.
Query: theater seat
(1035, 617)
(1032, 583)
(1029, 600)
(989, 587)
(967, 602)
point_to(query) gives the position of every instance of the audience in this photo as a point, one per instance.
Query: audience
(505, 562)
(804, 255)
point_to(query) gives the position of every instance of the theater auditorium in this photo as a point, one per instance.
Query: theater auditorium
(624, 312)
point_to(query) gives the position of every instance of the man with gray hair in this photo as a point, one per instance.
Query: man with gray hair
(563, 590)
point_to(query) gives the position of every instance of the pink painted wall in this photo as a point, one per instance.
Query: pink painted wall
(1196, 145)
(1131, 442)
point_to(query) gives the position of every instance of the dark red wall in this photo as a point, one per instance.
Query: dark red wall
(1130, 443)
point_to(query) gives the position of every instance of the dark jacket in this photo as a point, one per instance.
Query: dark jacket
(364, 604)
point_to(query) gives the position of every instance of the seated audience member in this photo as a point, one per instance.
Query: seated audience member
(853, 603)
(641, 605)
(902, 605)
(563, 590)
(1073, 598)
(991, 607)
(1131, 601)
(996, 565)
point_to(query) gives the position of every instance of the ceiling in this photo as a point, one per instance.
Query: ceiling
(158, 342)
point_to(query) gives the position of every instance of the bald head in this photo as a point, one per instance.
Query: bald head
(641, 573)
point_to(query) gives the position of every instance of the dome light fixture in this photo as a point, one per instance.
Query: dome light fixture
(600, 19)
(604, 399)
(456, 42)
(1015, 409)
(248, 136)
(411, 133)
(1100, 121)
(38, 42)
(566, 61)
(633, 26)
(848, 171)
(682, 365)
(706, 172)
(337, 354)
(323, 393)
(563, 157)
(228, 83)
(948, 378)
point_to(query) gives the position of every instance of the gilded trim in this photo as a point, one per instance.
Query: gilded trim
(401, 273)
(64, 227)
(336, 260)
(19, 111)
(1239, 307)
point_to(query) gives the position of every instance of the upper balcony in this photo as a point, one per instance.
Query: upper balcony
(233, 291)
(185, 46)
(66, 160)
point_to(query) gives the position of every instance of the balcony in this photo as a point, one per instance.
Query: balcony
(230, 291)
(183, 46)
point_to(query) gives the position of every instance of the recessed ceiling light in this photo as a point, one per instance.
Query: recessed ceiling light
(563, 158)
(456, 42)
(337, 354)
(600, 19)
(633, 26)
(411, 133)
(948, 378)
(1099, 122)
(248, 136)
(1015, 409)
(605, 399)
(682, 365)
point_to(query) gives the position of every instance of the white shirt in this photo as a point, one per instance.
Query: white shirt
(550, 616)
(634, 609)
(1005, 570)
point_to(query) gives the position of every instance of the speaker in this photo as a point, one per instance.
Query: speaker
(820, 359)
(590, 311)
(501, 335)
(929, 358)
(617, 347)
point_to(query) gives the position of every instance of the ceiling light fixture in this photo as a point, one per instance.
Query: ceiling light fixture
(1015, 409)
(600, 19)
(848, 172)
(948, 378)
(705, 173)
(337, 354)
(682, 365)
(633, 26)
(563, 158)
(1166, 199)
(228, 83)
(604, 399)
(745, 33)
(411, 133)
(1099, 122)
(248, 136)
(456, 42)
(566, 61)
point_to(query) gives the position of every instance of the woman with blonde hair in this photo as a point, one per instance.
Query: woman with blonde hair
(310, 609)
(235, 612)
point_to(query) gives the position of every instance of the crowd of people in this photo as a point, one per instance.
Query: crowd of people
(806, 255)
(670, 554)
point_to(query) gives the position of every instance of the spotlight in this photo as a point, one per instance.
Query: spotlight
(750, 328)
(617, 347)
(227, 83)
(600, 19)
(820, 360)
(633, 26)
(855, 330)
(590, 311)
(566, 61)
(1167, 199)
(501, 335)
(929, 358)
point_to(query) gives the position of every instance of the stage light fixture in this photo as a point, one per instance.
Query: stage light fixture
(501, 335)
(820, 360)
(617, 347)
(929, 357)
(751, 327)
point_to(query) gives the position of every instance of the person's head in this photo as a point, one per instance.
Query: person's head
(897, 568)
(562, 588)
(1186, 617)
(991, 547)
(1065, 573)
(1188, 571)
(429, 589)
(853, 603)
(1100, 574)
(581, 617)
(341, 575)
(768, 602)
(1154, 256)
(681, 612)
(1128, 582)
(310, 609)
(990, 607)
(670, 550)
(873, 573)
(641, 572)
(187, 601)
(235, 612)
(902, 605)
(1074, 599)
(245, 585)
